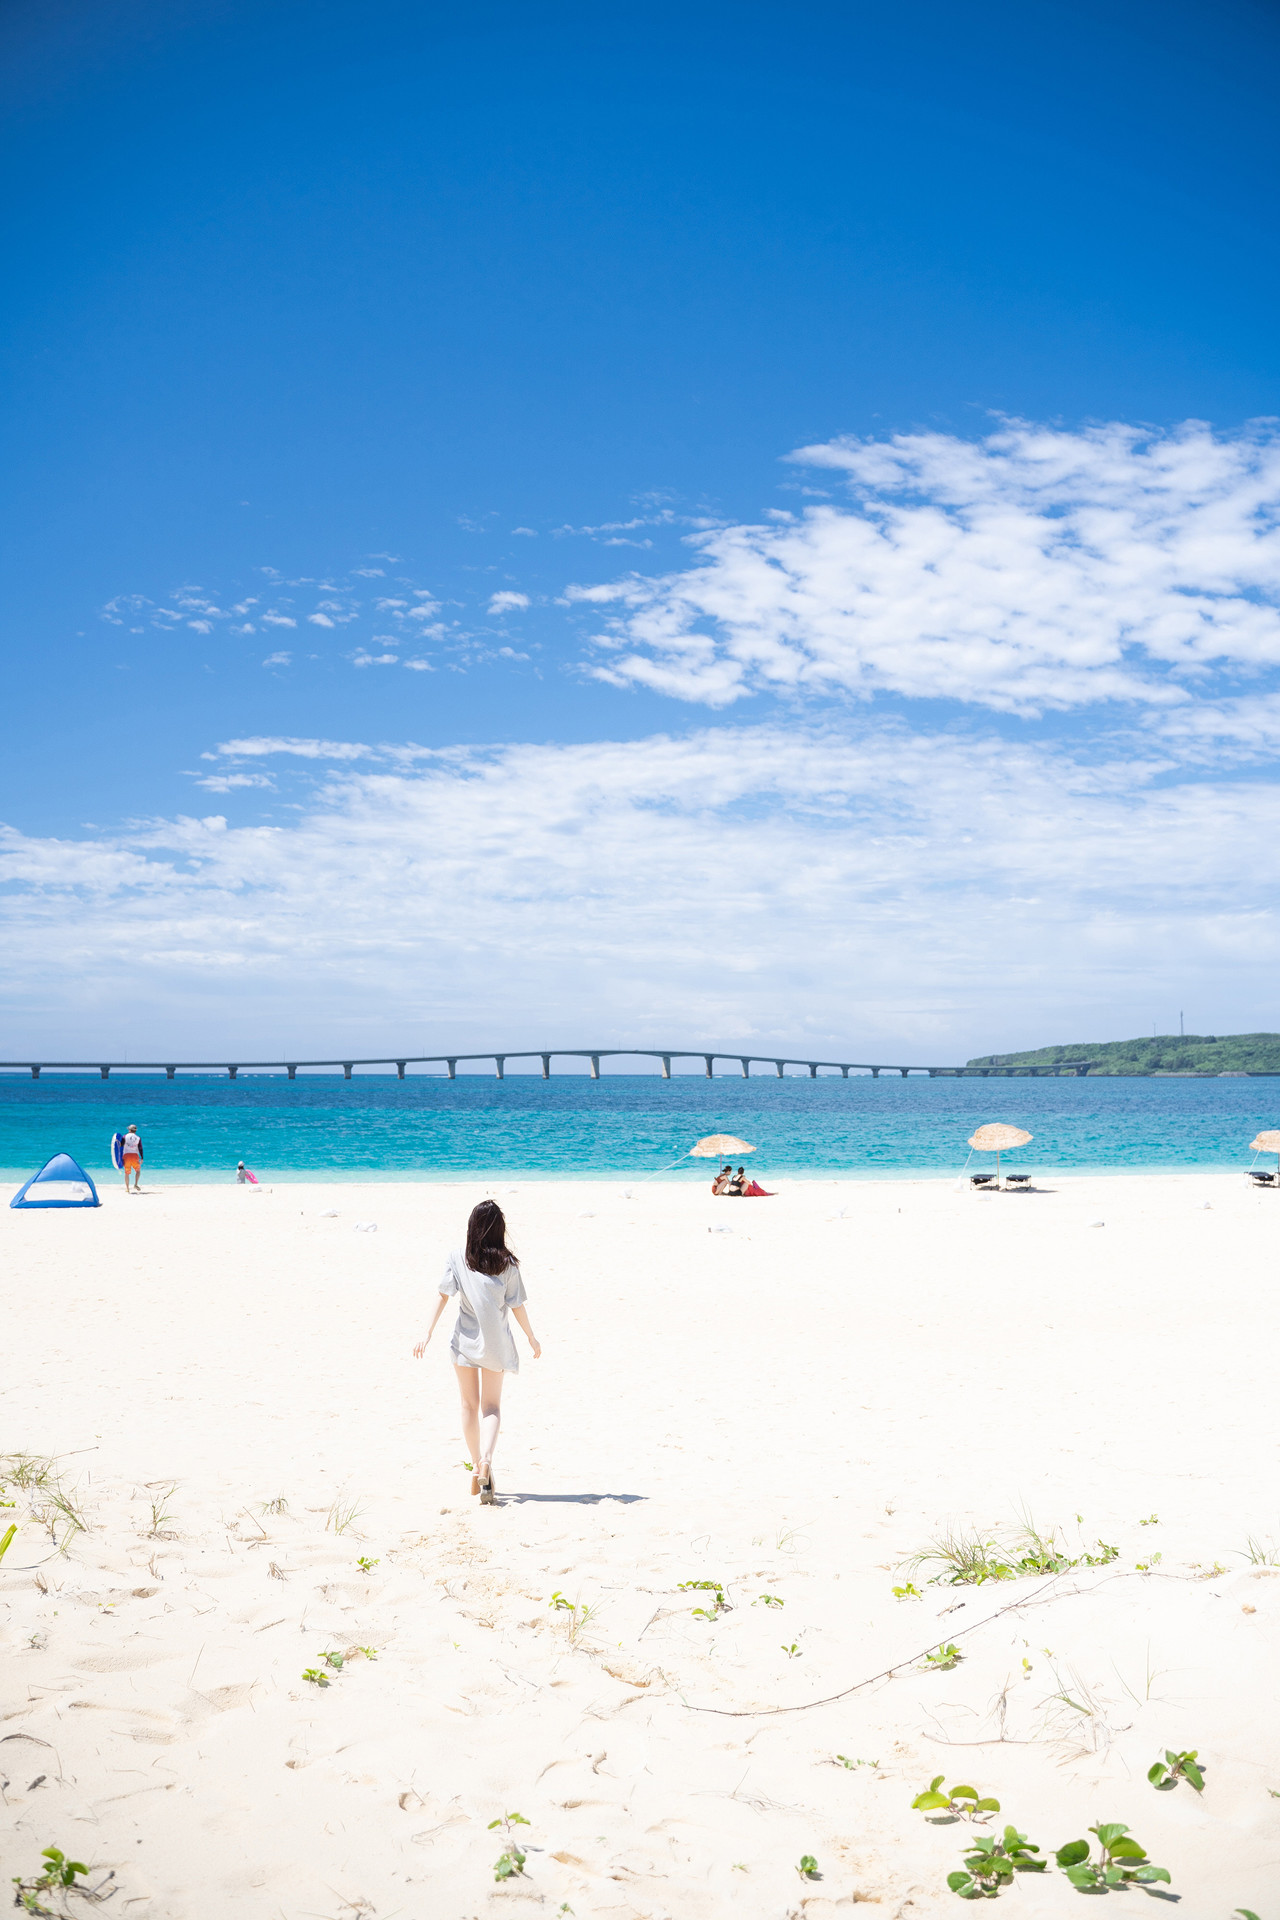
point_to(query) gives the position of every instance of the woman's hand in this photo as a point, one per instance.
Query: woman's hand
(422, 1346)
(537, 1347)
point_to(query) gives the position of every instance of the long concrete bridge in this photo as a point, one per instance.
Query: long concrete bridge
(450, 1061)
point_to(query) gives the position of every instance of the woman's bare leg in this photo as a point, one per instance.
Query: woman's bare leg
(469, 1389)
(490, 1413)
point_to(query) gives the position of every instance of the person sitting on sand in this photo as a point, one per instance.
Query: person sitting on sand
(131, 1157)
(736, 1184)
(721, 1180)
(486, 1279)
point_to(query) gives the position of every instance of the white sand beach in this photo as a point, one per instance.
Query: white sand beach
(787, 1397)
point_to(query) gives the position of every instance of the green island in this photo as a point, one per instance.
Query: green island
(1206, 1053)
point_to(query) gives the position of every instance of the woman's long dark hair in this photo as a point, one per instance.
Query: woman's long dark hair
(487, 1249)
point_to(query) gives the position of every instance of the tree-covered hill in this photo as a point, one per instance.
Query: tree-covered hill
(1163, 1053)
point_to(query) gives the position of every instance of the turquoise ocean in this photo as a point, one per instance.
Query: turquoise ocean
(375, 1127)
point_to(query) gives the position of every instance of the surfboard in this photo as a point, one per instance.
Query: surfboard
(117, 1151)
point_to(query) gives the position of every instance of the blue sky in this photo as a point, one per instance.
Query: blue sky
(417, 619)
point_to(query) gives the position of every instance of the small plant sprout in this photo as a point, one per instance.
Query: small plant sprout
(990, 1863)
(971, 1559)
(954, 1802)
(1166, 1773)
(1120, 1862)
(7, 1541)
(845, 1761)
(370, 1653)
(335, 1660)
(365, 1564)
(808, 1868)
(1152, 1520)
(343, 1514)
(718, 1605)
(316, 1676)
(278, 1505)
(160, 1515)
(1147, 1565)
(907, 1592)
(792, 1652)
(768, 1600)
(943, 1658)
(1260, 1556)
(511, 1860)
(559, 1602)
(1244, 1913)
(58, 1875)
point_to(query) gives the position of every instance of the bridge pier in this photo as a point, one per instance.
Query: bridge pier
(169, 1072)
(844, 1072)
(746, 1066)
(400, 1065)
(595, 1066)
(546, 1066)
(105, 1072)
(813, 1069)
(232, 1072)
(293, 1071)
(500, 1062)
(778, 1064)
(346, 1068)
(904, 1071)
(35, 1073)
(875, 1073)
(666, 1066)
(709, 1057)
(453, 1068)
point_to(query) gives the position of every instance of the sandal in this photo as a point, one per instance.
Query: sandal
(487, 1488)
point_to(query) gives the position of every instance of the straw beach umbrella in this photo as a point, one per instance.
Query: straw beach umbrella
(1269, 1143)
(997, 1138)
(719, 1146)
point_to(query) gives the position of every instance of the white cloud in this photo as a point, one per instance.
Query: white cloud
(872, 890)
(365, 659)
(508, 602)
(260, 745)
(278, 660)
(1036, 569)
(319, 619)
(278, 620)
(232, 782)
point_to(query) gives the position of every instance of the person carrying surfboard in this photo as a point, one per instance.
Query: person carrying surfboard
(131, 1157)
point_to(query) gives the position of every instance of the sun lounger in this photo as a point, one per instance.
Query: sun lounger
(1263, 1179)
(982, 1180)
(1020, 1180)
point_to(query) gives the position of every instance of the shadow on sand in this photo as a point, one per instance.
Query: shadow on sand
(569, 1499)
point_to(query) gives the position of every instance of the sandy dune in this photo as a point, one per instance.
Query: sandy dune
(789, 1408)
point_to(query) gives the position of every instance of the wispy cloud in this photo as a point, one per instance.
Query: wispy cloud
(865, 885)
(1034, 570)
(508, 602)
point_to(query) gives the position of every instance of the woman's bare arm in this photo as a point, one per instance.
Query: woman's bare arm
(422, 1345)
(522, 1319)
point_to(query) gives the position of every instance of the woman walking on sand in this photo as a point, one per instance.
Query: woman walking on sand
(486, 1279)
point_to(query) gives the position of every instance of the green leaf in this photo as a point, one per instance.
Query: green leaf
(1081, 1876)
(1156, 1773)
(987, 1806)
(1147, 1874)
(927, 1801)
(1074, 1851)
(1128, 1850)
(958, 1881)
(1244, 1913)
(1193, 1774)
(964, 1793)
(493, 1824)
(1113, 1830)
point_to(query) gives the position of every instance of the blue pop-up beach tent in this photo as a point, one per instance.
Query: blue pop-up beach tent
(59, 1183)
